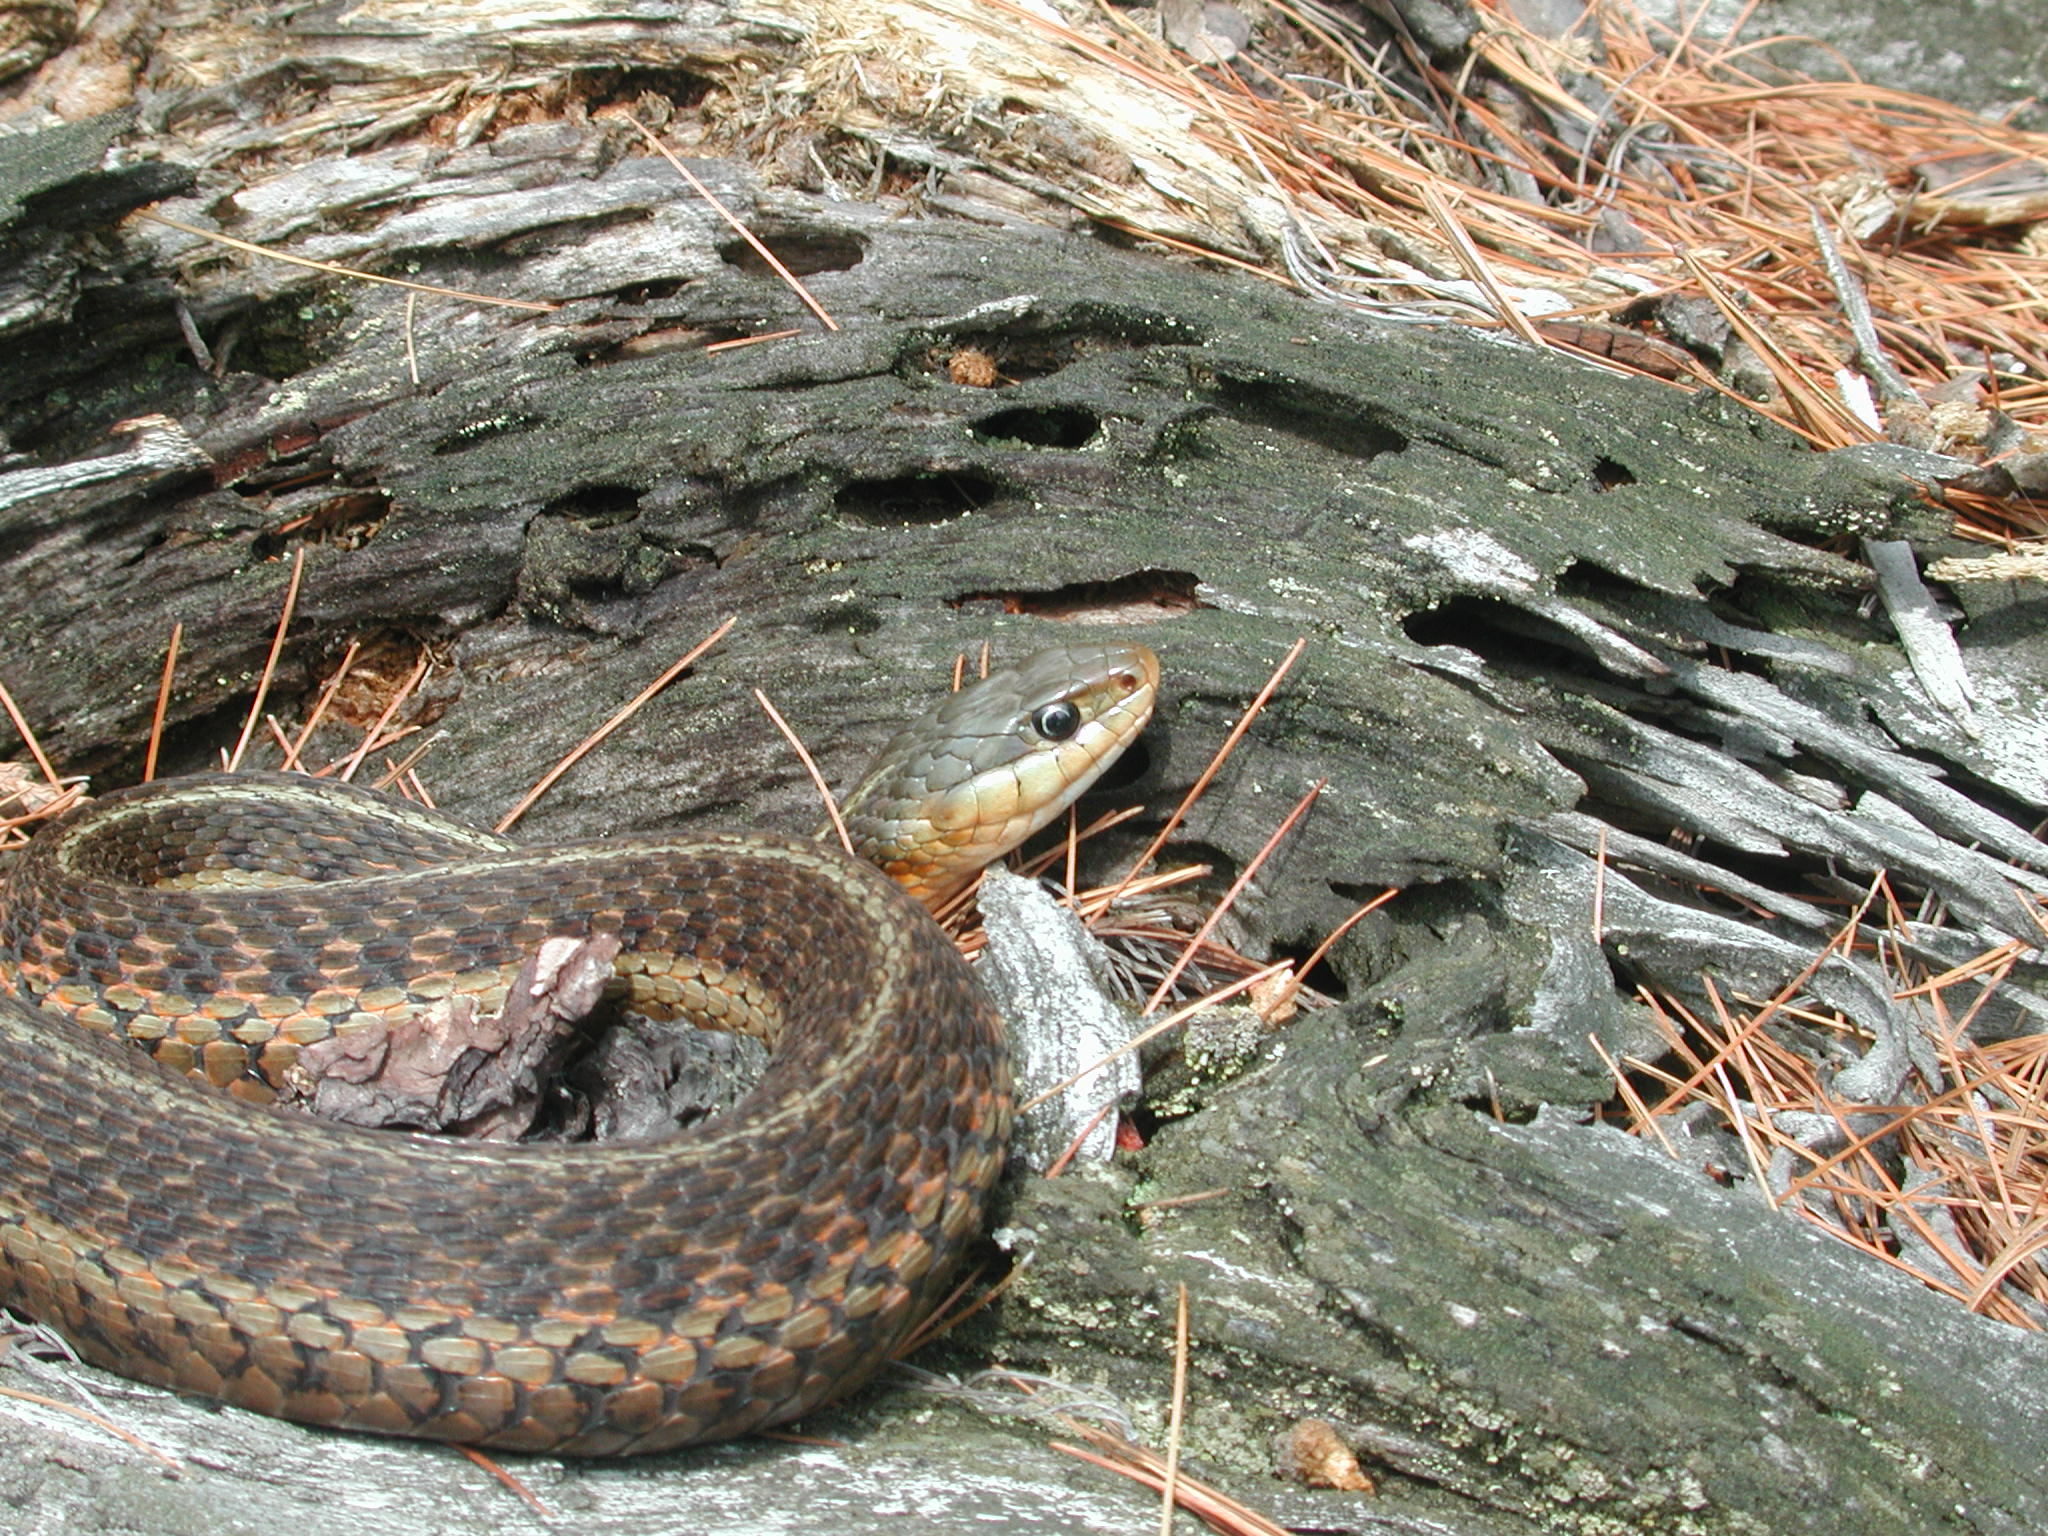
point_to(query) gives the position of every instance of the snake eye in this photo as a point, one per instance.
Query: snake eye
(1056, 721)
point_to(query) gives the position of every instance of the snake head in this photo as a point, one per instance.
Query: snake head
(973, 777)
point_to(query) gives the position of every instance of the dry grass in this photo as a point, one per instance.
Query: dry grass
(1498, 197)
(1950, 1186)
(1555, 187)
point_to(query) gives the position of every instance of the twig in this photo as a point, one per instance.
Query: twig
(749, 341)
(1870, 353)
(1073, 1148)
(35, 748)
(404, 766)
(319, 710)
(1172, 1202)
(1600, 888)
(59, 803)
(817, 779)
(1073, 845)
(1179, 1016)
(940, 1322)
(370, 740)
(739, 228)
(531, 1498)
(412, 356)
(336, 270)
(1115, 1454)
(577, 753)
(1251, 868)
(1822, 418)
(1321, 952)
(284, 620)
(1476, 267)
(1170, 1489)
(101, 1420)
(1643, 1118)
(1209, 773)
(163, 702)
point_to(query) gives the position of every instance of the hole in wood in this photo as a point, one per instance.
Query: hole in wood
(924, 496)
(1138, 598)
(1607, 474)
(1041, 426)
(803, 254)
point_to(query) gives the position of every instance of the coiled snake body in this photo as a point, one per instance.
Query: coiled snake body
(580, 1299)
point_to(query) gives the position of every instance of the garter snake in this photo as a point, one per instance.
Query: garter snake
(577, 1299)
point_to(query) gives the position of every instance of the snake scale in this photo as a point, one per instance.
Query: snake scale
(576, 1299)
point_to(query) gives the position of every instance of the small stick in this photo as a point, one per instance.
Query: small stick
(370, 741)
(1175, 1415)
(791, 1437)
(1476, 268)
(739, 228)
(1634, 1100)
(576, 754)
(62, 801)
(1044, 861)
(810, 767)
(163, 702)
(1145, 1466)
(937, 1326)
(1600, 888)
(1180, 1015)
(1171, 1202)
(319, 711)
(1746, 1133)
(347, 770)
(412, 356)
(1095, 903)
(337, 270)
(917, 1335)
(1999, 958)
(532, 1499)
(1215, 766)
(177, 1470)
(1316, 955)
(1073, 859)
(396, 771)
(1230, 896)
(749, 341)
(1818, 416)
(1059, 1164)
(1855, 304)
(1843, 938)
(284, 619)
(35, 748)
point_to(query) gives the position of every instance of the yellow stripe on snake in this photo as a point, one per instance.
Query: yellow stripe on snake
(578, 1299)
